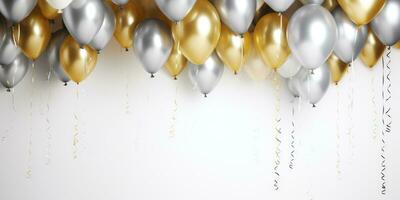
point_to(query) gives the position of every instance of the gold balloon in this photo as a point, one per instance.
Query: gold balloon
(127, 18)
(33, 34)
(176, 62)
(372, 51)
(330, 4)
(270, 39)
(198, 32)
(233, 49)
(48, 11)
(254, 65)
(151, 10)
(361, 11)
(77, 62)
(397, 45)
(337, 67)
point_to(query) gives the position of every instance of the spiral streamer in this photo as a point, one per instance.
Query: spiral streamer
(350, 108)
(338, 156)
(278, 130)
(29, 168)
(172, 129)
(375, 120)
(48, 128)
(292, 137)
(386, 116)
(75, 141)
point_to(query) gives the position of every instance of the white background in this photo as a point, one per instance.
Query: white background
(222, 147)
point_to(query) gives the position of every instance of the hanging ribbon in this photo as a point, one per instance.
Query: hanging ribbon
(292, 137)
(277, 128)
(75, 140)
(172, 130)
(338, 157)
(48, 128)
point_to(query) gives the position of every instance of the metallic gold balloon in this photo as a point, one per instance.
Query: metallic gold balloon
(372, 51)
(151, 10)
(338, 68)
(48, 11)
(254, 65)
(361, 11)
(127, 18)
(198, 32)
(77, 62)
(330, 4)
(270, 39)
(397, 45)
(176, 62)
(33, 34)
(233, 49)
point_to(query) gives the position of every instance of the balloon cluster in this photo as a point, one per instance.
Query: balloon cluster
(308, 42)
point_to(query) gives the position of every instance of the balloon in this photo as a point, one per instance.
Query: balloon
(47, 10)
(59, 4)
(120, 2)
(293, 87)
(11, 74)
(386, 25)
(198, 32)
(397, 45)
(151, 10)
(312, 1)
(372, 51)
(53, 53)
(77, 62)
(126, 21)
(233, 49)
(293, 8)
(289, 68)
(313, 85)
(83, 19)
(236, 14)
(254, 65)
(279, 5)
(312, 35)
(260, 3)
(106, 31)
(330, 4)
(338, 68)
(351, 38)
(176, 62)
(361, 11)
(33, 34)
(153, 44)
(206, 76)
(270, 39)
(175, 10)
(8, 50)
(16, 10)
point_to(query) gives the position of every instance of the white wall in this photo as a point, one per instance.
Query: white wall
(223, 147)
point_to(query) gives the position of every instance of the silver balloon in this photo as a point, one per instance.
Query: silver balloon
(351, 39)
(8, 50)
(106, 31)
(236, 14)
(83, 19)
(53, 52)
(13, 73)
(293, 87)
(289, 68)
(153, 44)
(312, 35)
(16, 10)
(386, 25)
(312, 1)
(279, 5)
(206, 76)
(313, 84)
(175, 10)
(120, 2)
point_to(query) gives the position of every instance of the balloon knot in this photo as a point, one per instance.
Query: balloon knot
(336, 83)
(81, 46)
(98, 51)
(126, 49)
(152, 75)
(205, 95)
(235, 72)
(312, 71)
(65, 83)
(175, 78)
(121, 7)
(314, 105)
(8, 89)
(52, 21)
(241, 36)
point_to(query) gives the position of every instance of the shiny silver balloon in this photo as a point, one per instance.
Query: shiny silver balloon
(279, 5)
(16, 10)
(312, 35)
(175, 10)
(206, 76)
(83, 19)
(106, 31)
(386, 25)
(312, 1)
(153, 44)
(13, 73)
(53, 55)
(289, 68)
(351, 39)
(8, 50)
(120, 2)
(313, 84)
(236, 14)
(292, 85)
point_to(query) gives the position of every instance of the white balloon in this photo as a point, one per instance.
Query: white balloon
(289, 68)
(59, 4)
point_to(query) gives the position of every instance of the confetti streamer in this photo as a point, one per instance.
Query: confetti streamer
(278, 130)
(292, 137)
(172, 130)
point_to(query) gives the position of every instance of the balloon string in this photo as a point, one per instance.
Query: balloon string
(75, 141)
(278, 130)
(48, 128)
(374, 107)
(127, 102)
(338, 157)
(350, 110)
(292, 136)
(241, 52)
(172, 130)
(29, 168)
